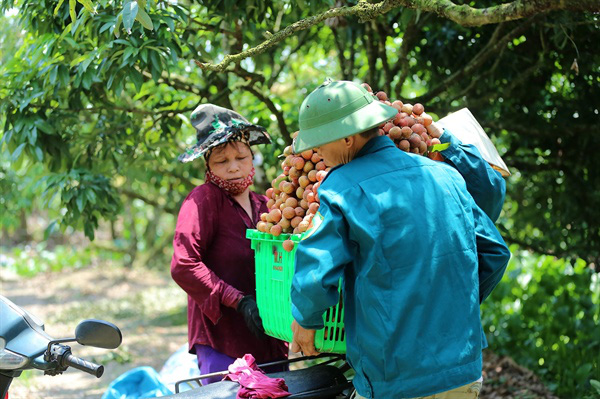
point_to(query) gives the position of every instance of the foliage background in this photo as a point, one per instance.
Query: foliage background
(95, 99)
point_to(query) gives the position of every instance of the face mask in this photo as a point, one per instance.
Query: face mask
(231, 187)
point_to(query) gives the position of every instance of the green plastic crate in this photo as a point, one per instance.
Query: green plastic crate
(274, 273)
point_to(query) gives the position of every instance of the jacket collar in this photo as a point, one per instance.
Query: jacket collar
(375, 144)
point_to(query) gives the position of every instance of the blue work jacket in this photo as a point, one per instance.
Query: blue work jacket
(407, 238)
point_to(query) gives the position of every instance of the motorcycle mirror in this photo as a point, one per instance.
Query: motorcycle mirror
(98, 333)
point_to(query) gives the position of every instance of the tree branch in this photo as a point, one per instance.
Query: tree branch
(410, 36)
(387, 85)
(461, 14)
(518, 9)
(488, 51)
(278, 114)
(364, 10)
(541, 250)
(531, 247)
(371, 57)
(175, 82)
(303, 38)
(170, 112)
(214, 28)
(132, 194)
(486, 99)
(340, 53)
(352, 51)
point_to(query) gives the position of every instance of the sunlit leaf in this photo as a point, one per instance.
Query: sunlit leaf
(88, 5)
(17, 152)
(130, 11)
(72, 11)
(144, 19)
(56, 9)
(118, 24)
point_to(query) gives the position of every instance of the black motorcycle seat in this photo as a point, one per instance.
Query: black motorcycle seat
(311, 383)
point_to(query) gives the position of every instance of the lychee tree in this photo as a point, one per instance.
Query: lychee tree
(99, 87)
(95, 96)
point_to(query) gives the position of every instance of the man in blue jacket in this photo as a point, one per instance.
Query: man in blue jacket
(409, 242)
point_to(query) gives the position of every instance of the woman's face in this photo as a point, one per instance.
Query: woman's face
(232, 161)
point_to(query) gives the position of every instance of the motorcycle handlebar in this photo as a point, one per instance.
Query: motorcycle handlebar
(83, 365)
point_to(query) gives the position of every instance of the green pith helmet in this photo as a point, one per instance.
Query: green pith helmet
(338, 109)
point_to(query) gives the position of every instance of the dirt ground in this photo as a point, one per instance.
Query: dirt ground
(150, 311)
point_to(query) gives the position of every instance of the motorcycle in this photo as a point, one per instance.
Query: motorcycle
(325, 380)
(25, 345)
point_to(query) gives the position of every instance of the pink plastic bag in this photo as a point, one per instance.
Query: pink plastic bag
(254, 383)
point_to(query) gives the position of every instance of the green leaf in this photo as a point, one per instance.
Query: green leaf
(80, 202)
(438, 147)
(583, 372)
(106, 26)
(596, 385)
(60, 2)
(86, 81)
(144, 55)
(122, 41)
(144, 19)
(170, 23)
(85, 63)
(17, 153)
(52, 75)
(88, 229)
(44, 126)
(88, 5)
(32, 137)
(111, 78)
(156, 73)
(63, 75)
(39, 154)
(75, 27)
(91, 196)
(7, 136)
(136, 78)
(50, 229)
(129, 51)
(118, 24)
(72, 11)
(130, 11)
(155, 65)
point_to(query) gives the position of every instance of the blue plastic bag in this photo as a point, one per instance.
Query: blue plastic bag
(180, 366)
(137, 383)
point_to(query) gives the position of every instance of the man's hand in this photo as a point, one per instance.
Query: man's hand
(303, 340)
(435, 130)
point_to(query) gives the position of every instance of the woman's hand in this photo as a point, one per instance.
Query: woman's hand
(303, 340)
(248, 308)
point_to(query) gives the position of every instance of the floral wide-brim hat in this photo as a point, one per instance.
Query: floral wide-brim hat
(216, 125)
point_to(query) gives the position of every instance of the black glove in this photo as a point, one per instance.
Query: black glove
(248, 308)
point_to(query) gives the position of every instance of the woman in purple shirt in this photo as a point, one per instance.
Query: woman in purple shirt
(212, 259)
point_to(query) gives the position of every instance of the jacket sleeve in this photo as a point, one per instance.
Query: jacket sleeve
(193, 234)
(492, 253)
(320, 261)
(485, 185)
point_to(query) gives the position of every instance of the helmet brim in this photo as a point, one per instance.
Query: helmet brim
(371, 115)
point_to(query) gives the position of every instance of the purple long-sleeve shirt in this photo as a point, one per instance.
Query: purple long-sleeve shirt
(214, 264)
